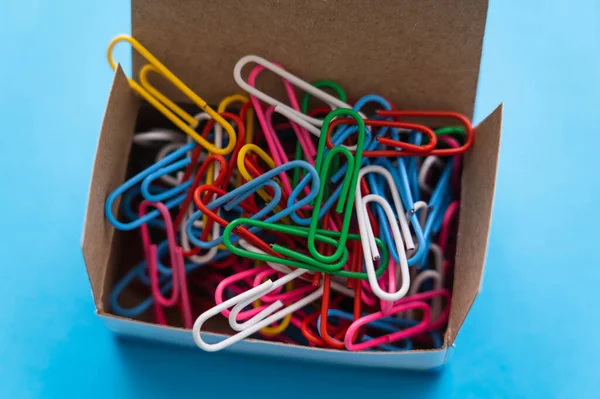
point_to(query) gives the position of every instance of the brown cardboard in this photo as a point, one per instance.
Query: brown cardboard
(418, 54)
(110, 166)
(476, 200)
(432, 51)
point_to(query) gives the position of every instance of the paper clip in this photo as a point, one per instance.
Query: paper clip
(301, 151)
(400, 177)
(241, 133)
(173, 112)
(346, 199)
(401, 115)
(228, 200)
(268, 309)
(383, 219)
(345, 131)
(267, 316)
(258, 306)
(188, 162)
(179, 294)
(286, 296)
(437, 208)
(207, 226)
(166, 162)
(226, 284)
(453, 143)
(397, 323)
(158, 135)
(301, 260)
(426, 166)
(242, 165)
(438, 281)
(370, 252)
(322, 322)
(404, 148)
(220, 181)
(396, 336)
(336, 285)
(265, 117)
(450, 215)
(139, 273)
(383, 324)
(389, 324)
(444, 294)
(309, 123)
(224, 169)
(323, 84)
(169, 148)
(242, 192)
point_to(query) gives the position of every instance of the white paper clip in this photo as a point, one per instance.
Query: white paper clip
(309, 123)
(263, 319)
(400, 232)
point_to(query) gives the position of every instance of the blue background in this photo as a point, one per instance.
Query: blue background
(531, 333)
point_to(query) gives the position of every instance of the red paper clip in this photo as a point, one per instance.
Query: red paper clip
(405, 148)
(241, 231)
(401, 115)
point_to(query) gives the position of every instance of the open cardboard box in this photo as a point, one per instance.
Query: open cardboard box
(419, 55)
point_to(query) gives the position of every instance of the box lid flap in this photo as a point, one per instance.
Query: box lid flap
(110, 165)
(421, 55)
(476, 201)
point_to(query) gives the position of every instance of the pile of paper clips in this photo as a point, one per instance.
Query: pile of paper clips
(328, 226)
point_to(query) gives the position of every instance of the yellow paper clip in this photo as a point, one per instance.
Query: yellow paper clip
(168, 108)
(227, 101)
(247, 176)
(244, 172)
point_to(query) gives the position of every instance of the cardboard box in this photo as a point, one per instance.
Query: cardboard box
(419, 55)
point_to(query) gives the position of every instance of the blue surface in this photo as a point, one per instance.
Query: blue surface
(531, 333)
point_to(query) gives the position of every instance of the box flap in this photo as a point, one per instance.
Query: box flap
(110, 165)
(477, 195)
(418, 54)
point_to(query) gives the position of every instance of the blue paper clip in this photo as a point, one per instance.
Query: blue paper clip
(230, 200)
(412, 167)
(370, 144)
(388, 324)
(139, 272)
(406, 344)
(127, 208)
(341, 134)
(400, 180)
(108, 206)
(439, 201)
(399, 323)
(239, 194)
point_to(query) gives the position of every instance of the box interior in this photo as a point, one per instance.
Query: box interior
(435, 65)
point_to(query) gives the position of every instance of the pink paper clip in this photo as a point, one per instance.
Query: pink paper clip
(229, 281)
(450, 215)
(413, 302)
(422, 326)
(179, 290)
(265, 118)
(273, 296)
(439, 321)
(453, 143)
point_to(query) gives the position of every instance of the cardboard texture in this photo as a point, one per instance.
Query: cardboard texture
(420, 55)
(110, 166)
(476, 199)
